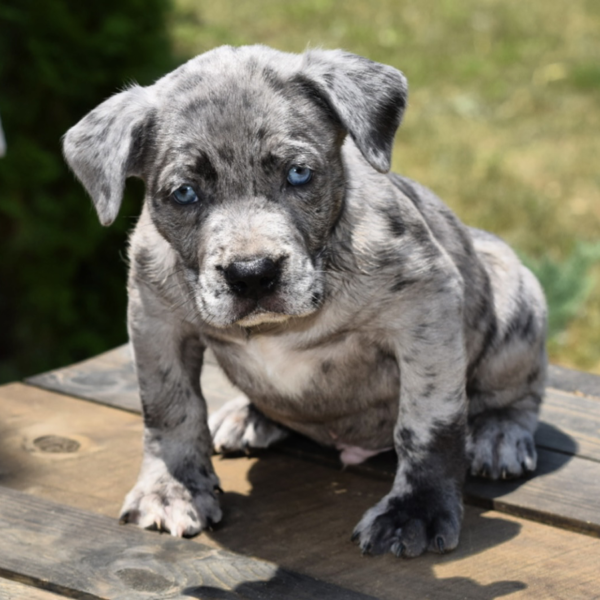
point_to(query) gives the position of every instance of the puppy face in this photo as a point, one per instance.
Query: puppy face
(245, 185)
(240, 150)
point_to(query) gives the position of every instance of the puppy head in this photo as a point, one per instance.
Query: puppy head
(240, 151)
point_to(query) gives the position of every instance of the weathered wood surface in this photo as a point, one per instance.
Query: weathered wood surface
(81, 554)
(84, 457)
(570, 424)
(571, 380)
(280, 508)
(564, 492)
(13, 590)
(110, 378)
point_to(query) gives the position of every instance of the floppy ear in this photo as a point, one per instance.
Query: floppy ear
(104, 148)
(368, 98)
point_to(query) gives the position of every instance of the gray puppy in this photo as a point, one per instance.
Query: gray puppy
(348, 304)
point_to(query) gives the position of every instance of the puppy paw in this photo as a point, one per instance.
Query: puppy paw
(166, 504)
(499, 448)
(239, 425)
(411, 524)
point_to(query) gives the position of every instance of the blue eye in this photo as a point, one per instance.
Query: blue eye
(298, 175)
(185, 195)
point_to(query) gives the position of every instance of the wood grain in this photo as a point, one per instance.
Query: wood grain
(83, 555)
(560, 494)
(30, 414)
(110, 379)
(285, 510)
(571, 380)
(563, 492)
(570, 424)
(13, 590)
(311, 510)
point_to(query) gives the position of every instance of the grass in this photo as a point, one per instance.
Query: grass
(503, 120)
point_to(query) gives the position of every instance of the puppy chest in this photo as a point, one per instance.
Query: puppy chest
(319, 383)
(266, 364)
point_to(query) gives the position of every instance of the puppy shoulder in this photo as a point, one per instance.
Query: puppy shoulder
(152, 261)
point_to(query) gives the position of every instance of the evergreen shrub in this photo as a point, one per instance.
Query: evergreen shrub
(62, 276)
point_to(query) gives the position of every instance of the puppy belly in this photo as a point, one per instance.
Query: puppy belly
(356, 437)
(351, 454)
(354, 455)
(334, 394)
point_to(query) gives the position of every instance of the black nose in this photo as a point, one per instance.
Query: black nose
(253, 278)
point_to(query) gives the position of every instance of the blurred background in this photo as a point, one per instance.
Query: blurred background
(503, 123)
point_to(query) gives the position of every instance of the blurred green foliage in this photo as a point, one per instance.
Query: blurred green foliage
(567, 283)
(503, 118)
(62, 278)
(503, 122)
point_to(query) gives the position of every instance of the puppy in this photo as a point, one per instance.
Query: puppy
(347, 303)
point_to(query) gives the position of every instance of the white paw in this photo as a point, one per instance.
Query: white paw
(239, 426)
(166, 504)
(500, 448)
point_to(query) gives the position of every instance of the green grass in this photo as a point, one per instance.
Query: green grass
(503, 120)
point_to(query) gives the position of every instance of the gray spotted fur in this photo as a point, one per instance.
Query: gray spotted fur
(391, 325)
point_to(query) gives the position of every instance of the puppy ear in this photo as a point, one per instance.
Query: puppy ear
(369, 99)
(104, 148)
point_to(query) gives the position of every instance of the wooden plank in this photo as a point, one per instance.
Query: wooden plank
(311, 510)
(110, 379)
(570, 424)
(292, 512)
(35, 424)
(571, 380)
(563, 493)
(568, 439)
(41, 542)
(13, 590)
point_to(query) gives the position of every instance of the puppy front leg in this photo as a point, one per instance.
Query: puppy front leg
(423, 510)
(176, 487)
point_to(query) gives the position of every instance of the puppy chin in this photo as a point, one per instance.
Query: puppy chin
(258, 318)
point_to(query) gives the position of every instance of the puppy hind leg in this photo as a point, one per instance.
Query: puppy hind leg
(239, 425)
(506, 386)
(502, 423)
(500, 442)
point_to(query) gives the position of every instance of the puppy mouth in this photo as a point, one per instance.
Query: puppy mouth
(261, 317)
(273, 309)
(256, 311)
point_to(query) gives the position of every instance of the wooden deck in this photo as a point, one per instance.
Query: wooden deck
(70, 448)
